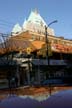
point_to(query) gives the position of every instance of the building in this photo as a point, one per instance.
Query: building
(26, 50)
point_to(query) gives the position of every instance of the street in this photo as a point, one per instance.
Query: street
(32, 91)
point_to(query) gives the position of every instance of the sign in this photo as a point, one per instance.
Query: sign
(61, 48)
(28, 50)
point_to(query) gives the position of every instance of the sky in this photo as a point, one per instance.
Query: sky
(15, 11)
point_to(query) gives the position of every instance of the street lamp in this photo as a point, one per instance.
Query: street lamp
(47, 41)
(47, 45)
(29, 67)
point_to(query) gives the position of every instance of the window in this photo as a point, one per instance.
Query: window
(55, 41)
(41, 38)
(33, 37)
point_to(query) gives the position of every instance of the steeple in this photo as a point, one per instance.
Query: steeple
(16, 29)
(35, 11)
(35, 18)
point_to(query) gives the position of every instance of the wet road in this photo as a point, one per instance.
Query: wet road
(62, 99)
(32, 91)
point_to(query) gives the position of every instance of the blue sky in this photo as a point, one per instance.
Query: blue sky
(13, 11)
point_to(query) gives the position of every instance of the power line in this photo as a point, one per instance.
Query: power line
(4, 24)
(4, 21)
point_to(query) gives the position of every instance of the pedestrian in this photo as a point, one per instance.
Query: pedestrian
(13, 82)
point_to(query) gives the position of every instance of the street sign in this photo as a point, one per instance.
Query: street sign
(28, 50)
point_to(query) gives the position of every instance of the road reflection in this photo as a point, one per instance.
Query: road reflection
(62, 99)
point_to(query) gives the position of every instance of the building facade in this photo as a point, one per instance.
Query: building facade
(26, 50)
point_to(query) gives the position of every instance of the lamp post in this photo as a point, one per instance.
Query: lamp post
(29, 67)
(47, 51)
(47, 41)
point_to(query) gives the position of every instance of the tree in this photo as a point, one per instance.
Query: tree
(6, 56)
